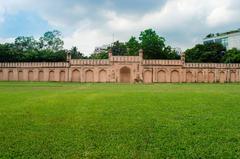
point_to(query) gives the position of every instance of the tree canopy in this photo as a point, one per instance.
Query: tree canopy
(119, 48)
(213, 53)
(153, 45)
(232, 56)
(133, 46)
(51, 40)
(77, 54)
(49, 48)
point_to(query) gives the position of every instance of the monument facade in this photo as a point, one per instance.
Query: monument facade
(121, 69)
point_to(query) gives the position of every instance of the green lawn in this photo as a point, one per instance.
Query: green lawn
(56, 120)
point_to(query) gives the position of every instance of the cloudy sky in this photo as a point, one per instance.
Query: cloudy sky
(90, 23)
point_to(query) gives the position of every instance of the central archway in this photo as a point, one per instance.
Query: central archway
(125, 75)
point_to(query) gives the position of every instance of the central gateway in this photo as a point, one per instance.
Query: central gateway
(125, 75)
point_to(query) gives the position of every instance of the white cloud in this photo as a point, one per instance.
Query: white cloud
(222, 15)
(191, 18)
(177, 13)
(182, 22)
(86, 40)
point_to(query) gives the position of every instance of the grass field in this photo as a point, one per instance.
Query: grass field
(55, 120)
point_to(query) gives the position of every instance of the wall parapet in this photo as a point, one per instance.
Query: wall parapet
(211, 65)
(125, 58)
(163, 62)
(89, 62)
(34, 64)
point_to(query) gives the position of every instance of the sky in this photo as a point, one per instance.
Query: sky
(90, 23)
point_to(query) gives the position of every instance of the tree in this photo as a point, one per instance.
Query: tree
(76, 54)
(101, 55)
(26, 49)
(152, 44)
(232, 56)
(25, 43)
(119, 49)
(210, 52)
(51, 40)
(170, 53)
(6, 54)
(133, 46)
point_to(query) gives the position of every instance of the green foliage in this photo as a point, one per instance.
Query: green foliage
(119, 49)
(26, 49)
(76, 54)
(9, 53)
(133, 46)
(50, 48)
(25, 44)
(51, 40)
(170, 53)
(232, 56)
(101, 55)
(56, 120)
(211, 52)
(152, 44)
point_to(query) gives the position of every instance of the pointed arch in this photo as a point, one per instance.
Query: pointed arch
(161, 76)
(125, 75)
(30, 75)
(232, 76)
(222, 77)
(200, 77)
(1, 75)
(10, 75)
(41, 75)
(20, 75)
(51, 76)
(175, 76)
(89, 76)
(189, 77)
(102, 76)
(62, 76)
(75, 75)
(147, 76)
(211, 77)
